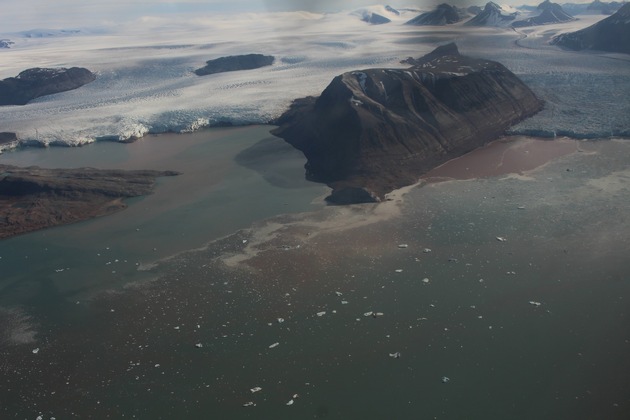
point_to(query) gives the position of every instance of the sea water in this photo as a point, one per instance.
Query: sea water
(229, 178)
(504, 294)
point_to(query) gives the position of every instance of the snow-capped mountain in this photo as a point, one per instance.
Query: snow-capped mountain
(610, 34)
(550, 13)
(492, 15)
(444, 14)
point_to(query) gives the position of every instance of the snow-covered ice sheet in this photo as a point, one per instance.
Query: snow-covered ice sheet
(146, 82)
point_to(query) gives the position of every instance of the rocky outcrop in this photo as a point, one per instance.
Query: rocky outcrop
(6, 43)
(610, 34)
(444, 14)
(376, 130)
(37, 82)
(550, 13)
(8, 137)
(235, 63)
(375, 19)
(35, 198)
(492, 15)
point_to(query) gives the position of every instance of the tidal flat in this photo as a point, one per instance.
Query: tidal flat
(507, 278)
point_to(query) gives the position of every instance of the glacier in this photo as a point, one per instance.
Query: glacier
(145, 81)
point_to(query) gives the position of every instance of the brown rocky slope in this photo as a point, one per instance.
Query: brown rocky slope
(35, 198)
(376, 130)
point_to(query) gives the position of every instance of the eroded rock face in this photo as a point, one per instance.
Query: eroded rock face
(35, 198)
(380, 129)
(235, 63)
(610, 34)
(36, 82)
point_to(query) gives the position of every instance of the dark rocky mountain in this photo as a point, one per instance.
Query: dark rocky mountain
(610, 34)
(375, 19)
(492, 15)
(549, 13)
(8, 138)
(390, 9)
(376, 130)
(235, 63)
(36, 82)
(474, 10)
(6, 43)
(35, 198)
(444, 14)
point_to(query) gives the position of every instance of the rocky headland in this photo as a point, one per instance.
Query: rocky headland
(33, 83)
(610, 34)
(376, 130)
(235, 63)
(36, 198)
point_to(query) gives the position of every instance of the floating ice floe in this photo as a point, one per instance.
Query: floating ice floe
(399, 270)
(501, 239)
(426, 250)
(280, 320)
(274, 345)
(532, 302)
(425, 280)
(249, 404)
(403, 246)
(256, 389)
(199, 345)
(344, 302)
(339, 293)
(290, 402)
(35, 351)
(322, 313)
(368, 313)
(445, 379)
(395, 355)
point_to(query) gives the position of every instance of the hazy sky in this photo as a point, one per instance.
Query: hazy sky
(28, 14)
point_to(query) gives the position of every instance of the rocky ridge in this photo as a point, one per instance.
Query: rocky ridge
(36, 82)
(376, 130)
(492, 15)
(444, 14)
(550, 13)
(610, 34)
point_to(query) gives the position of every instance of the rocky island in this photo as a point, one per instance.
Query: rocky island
(376, 130)
(610, 34)
(235, 63)
(35, 198)
(36, 82)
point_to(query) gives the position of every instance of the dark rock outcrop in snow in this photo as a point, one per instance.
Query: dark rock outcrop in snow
(610, 34)
(235, 63)
(36, 82)
(375, 19)
(376, 130)
(492, 15)
(35, 198)
(444, 14)
(6, 43)
(550, 13)
(390, 9)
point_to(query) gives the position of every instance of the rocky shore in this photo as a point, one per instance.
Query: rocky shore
(36, 198)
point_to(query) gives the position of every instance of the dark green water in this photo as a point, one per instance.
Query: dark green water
(134, 353)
